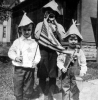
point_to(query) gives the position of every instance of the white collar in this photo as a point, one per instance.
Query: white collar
(23, 38)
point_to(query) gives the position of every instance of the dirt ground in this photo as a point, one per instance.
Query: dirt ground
(6, 80)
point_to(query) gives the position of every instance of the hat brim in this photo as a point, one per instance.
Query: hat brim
(25, 24)
(79, 39)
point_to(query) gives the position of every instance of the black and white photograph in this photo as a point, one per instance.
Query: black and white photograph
(48, 49)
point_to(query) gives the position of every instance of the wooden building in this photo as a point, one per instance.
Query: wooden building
(34, 11)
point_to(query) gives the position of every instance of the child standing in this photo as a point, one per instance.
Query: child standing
(49, 33)
(25, 55)
(76, 67)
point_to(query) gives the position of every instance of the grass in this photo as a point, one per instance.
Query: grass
(92, 72)
(6, 81)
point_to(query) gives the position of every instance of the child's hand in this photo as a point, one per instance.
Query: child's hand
(19, 59)
(83, 71)
(82, 74)
(64, 70)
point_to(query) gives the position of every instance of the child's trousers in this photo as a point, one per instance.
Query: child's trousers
(23, 81)
(70, 90)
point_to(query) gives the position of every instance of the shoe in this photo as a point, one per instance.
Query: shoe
(42, 96)
(51, 98)
(36, 99)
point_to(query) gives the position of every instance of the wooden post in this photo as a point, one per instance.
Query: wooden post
(64, 13)
(79, 14)
(97, 33)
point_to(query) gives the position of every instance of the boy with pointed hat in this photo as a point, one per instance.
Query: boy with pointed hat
(72, 67)
(47, 67)
(25, 55)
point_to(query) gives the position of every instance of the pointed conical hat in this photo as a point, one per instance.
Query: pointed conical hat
(25, 21)
(54, 6)
(74, 30)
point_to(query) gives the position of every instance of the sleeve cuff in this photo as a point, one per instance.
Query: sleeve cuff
(83, 70)
(60, 66)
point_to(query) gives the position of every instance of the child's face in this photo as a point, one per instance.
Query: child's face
(27, 30)
(73, 40)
